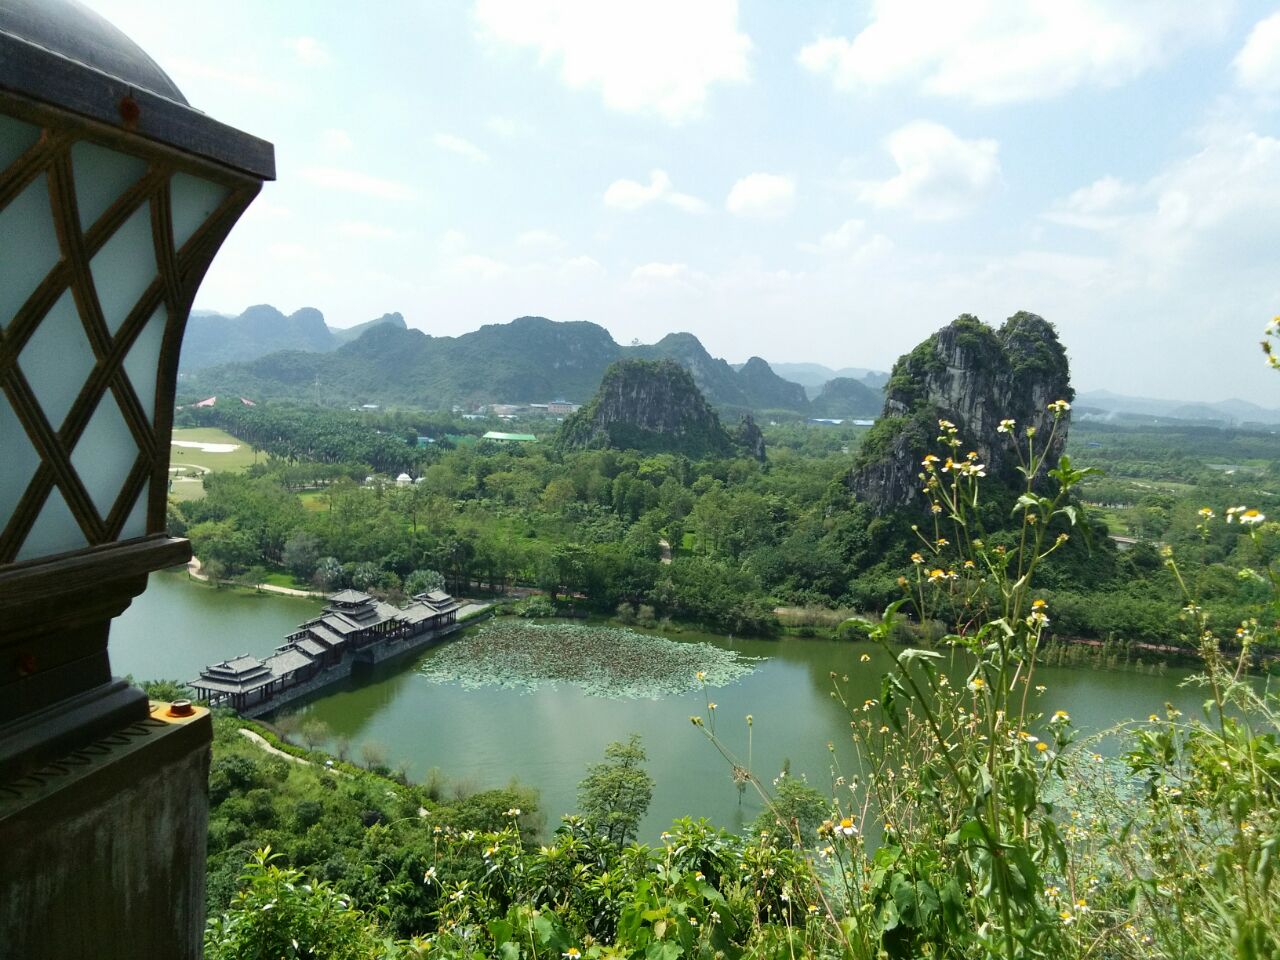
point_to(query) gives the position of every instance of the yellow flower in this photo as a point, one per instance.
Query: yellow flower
(1042, 746)
(573, 953)
(865, 658)
(701, 675)
(977, 683)
(916, 558)
(846, 827)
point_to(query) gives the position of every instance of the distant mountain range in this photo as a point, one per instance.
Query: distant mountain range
(1104, 404)
(530, 359)
(263, 353)
(214, 338)
(813, 376)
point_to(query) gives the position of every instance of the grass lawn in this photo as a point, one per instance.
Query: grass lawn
(311, 500)
(279, 578)
(189, 463)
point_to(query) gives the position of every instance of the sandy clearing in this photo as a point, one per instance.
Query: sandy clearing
(207, 447)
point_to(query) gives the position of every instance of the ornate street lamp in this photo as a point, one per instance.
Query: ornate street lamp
(115, 195)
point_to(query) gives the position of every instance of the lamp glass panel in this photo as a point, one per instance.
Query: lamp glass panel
(102, 175)
(136, 525)
(19, 460)
(55, 530)
(192, 201)
(124, 267)
(143, 360)
(57, 360)
(104, 454)
(28, 247)
(16, 138)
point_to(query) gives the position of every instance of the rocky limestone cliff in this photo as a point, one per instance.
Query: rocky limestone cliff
(750, 439)
(648, 405)
(975, 377)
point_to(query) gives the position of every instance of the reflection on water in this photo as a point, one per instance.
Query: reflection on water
(546, 738)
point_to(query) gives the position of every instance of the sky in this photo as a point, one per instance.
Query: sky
(804, 181)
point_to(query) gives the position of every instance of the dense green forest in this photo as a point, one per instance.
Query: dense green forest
(744, 537)
(978, 823)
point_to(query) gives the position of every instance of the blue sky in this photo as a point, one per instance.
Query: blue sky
(821, 181)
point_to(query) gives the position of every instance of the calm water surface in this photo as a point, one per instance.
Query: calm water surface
(546, 738)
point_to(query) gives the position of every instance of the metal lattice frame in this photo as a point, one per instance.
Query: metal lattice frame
(178, 275)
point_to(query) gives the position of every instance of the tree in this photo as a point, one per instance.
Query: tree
(301, 553)
(254, 577)
(423, 581)
(328, 574)
(214, 570)
(615, 794)
(314, 732)
(794, 813)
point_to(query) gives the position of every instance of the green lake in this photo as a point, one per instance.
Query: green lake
(547, 737)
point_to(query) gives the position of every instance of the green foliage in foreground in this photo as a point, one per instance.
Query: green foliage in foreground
(998, 834)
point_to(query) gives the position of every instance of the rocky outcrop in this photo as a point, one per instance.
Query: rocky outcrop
(750, 439)
(648, 405)
(975, 377)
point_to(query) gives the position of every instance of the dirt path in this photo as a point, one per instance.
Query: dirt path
(261, 741)
(193, 570)
(666, 550)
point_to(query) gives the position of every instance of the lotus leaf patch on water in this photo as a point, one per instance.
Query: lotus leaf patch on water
(602, 661)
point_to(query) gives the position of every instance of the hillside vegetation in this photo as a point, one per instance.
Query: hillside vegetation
(531, 359)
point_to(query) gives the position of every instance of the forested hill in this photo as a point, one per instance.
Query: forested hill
(652, 406)
(528, 360)
(212, 338)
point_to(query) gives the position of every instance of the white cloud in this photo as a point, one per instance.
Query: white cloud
(474, 266)
(940, 176)
(1257, 65)
(310, 51)
(851, 238)
(335, 140)
(509, 127)
(581, 266)
(665, 278)
(453, 242)
(353, 181)
(764, 196)
(463, 148)
(539, 240)
(631, 195)
(993, 51)
(1095, 207)
(660, 271)
(184, 70)
(659, 57)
